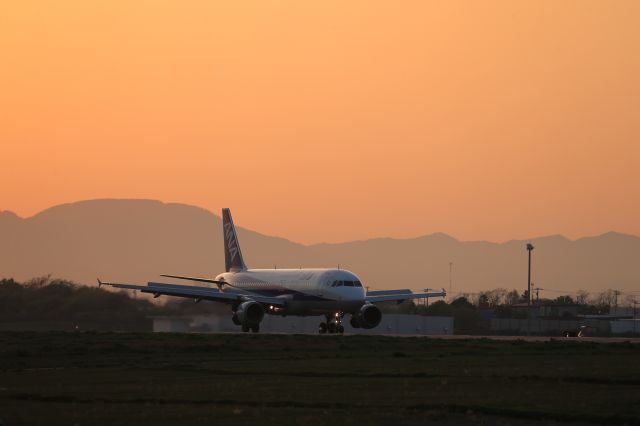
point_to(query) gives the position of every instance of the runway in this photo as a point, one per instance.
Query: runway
(634, 340)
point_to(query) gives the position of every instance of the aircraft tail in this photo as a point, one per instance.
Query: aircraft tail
(232, 255)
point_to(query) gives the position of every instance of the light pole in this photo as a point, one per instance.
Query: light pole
(635, 302)
(529, 249)
(615, 301)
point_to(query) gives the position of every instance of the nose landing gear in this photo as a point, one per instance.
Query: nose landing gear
(333, 324)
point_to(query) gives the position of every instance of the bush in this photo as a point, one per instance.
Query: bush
(50, 302)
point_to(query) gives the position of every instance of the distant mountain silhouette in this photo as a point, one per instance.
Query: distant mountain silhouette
(135, 240)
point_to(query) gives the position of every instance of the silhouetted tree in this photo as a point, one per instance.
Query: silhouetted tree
(604, 300)
(564, 300)
(512, 297)
(439, 308)
(582, 298)
(496, 296)
(462, 302)
(52, 303)
(483, 301)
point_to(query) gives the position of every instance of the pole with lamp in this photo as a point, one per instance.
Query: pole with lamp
(529, 249)
(635, 303)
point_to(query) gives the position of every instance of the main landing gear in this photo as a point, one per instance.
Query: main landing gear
(253, 328)
(333, 324)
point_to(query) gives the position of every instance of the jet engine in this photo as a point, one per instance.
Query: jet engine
(354, 322)
(369, 316)
(249, 313)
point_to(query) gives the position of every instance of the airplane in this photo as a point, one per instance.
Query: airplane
(252, 293)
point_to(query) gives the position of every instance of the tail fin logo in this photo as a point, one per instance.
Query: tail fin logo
(232, 253)
(231, 239)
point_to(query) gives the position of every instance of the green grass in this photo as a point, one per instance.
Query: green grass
(162, 379)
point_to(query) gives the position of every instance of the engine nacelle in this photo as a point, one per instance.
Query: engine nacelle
(249, 313)
(354, 322)
(369, 316)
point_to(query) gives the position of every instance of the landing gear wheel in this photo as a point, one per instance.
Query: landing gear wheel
(255, 329)
(322, 329)
(340, 329)
(235, 319)
(245, 328)
(332, 327)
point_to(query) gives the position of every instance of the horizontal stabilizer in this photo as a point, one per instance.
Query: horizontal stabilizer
(202, 280)
(179, 286)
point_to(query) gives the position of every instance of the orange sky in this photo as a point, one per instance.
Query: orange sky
(330, 120)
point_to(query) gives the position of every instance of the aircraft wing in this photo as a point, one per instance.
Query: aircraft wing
(200, 293)
(399, 295)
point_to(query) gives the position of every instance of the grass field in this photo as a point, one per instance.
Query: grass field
(194, 379)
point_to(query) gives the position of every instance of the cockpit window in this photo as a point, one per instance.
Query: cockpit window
(341, 283)
(345, 283)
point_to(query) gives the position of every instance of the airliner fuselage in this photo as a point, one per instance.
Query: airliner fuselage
(306, 291)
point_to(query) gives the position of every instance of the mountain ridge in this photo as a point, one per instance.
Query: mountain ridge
(12, 215)
(136, 240)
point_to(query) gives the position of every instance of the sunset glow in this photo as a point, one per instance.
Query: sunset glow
(330, 121)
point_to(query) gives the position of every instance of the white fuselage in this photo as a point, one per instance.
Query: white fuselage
(307, 291)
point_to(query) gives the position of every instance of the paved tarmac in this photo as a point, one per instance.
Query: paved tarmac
(635, 340)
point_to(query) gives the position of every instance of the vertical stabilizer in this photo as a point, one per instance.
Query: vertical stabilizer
(232, 255)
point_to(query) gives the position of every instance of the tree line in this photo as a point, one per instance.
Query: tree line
(46, 303)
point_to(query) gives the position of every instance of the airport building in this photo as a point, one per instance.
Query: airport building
(390, 324)
(625, 326)
(596, 325)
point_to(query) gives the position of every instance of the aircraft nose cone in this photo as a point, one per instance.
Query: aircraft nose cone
(355, 294)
